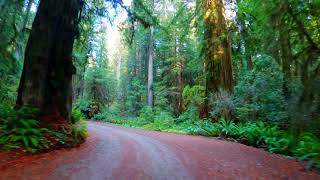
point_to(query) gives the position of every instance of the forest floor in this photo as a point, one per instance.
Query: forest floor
(113, 152)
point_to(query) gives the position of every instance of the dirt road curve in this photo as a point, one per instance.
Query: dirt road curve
(113, 152)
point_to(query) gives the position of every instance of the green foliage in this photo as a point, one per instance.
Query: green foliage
(191, 114)
(79, 132)
(257, 134)
(227, 128)
(20, 129)
(194, 96)
(99, 86)
(162, 122)
(258, 94)
(204, 128)
(222, 104)
(308, 149)
(147, 114)
(283, 144)
(76, 116)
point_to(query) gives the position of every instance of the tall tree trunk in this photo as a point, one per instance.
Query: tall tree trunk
(280, 22)
(245, 38)
(286, 59)
(27, 14)
(46, 81)
(22, 31)
(150, 69)
(218, 66)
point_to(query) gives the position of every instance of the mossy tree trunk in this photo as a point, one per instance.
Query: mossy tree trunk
(46, 81)
(218, 66)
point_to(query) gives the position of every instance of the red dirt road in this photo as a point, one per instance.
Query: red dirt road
(113, 152)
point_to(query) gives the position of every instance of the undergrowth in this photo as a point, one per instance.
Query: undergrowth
(21, 129)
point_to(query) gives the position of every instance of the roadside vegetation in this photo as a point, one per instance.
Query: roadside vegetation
(21, 130)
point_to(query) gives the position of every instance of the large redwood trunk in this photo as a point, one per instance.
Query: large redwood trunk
(46, 81)
(218, 66)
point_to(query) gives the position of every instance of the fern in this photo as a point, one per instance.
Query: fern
(227, 128)
(20, 129)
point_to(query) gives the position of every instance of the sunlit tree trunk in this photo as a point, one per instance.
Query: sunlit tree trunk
(46, 81)
(218, 66)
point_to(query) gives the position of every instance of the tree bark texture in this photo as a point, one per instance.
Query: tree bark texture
(218, 67)
(218, 49)
(150, 69)
(46, 81)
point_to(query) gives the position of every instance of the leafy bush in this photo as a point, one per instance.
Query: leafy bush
(222, 105)
(104, 116)
(20, 129)
(283, 144)
(210, 128)
(204, 128)
(308, 149)
(158, 125)
(147, 114)
(259, 93)
(191, 114)
(194, 97)
(252, 133)
(257, 133)
(76, 116)
(79, 132)
(227, 128)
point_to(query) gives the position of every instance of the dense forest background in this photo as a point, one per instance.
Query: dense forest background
(184, 62)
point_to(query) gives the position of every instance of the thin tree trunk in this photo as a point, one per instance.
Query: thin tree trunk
(286, 59)
(26, 17)
(21, 33)
(150, 69)
(47, 72)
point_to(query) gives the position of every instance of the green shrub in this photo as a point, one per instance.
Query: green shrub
(163, 121)
(20, 129)
(157, 125)
(252, 133)
(257, 133)
(258, 93)
(103, 116)
(205, 128)
(227, 128)
(147, 114)
(222, 105)
(76, 116)
(283, 144)
(194, 96)
(308, 149)
(191, 114)
(196, 130)
(79, 132)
